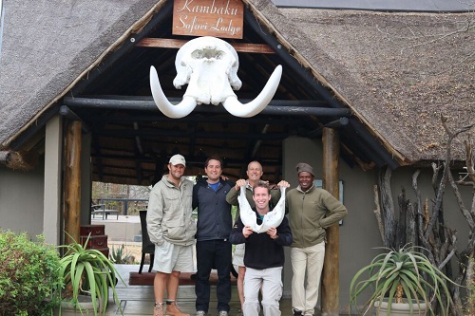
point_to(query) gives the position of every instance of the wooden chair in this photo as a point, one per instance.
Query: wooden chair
(147, 245)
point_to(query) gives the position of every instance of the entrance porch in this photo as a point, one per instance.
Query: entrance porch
(138, 299)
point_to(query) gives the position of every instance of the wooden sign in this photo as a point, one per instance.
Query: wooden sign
(219, 18)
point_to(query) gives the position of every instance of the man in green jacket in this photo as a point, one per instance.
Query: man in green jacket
(311, 211)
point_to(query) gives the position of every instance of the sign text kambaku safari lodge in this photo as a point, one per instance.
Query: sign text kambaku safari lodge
(220, 18)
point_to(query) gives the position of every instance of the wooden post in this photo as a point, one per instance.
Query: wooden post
(331, 268)
(72, 183)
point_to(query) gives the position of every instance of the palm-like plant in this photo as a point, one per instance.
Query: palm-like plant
(405, 275)
(88, 271)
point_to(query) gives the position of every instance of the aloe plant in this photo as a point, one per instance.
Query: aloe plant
(88, 271)
(120, 256)
(404, 275)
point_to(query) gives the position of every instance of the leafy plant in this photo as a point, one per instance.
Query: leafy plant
(400, 276)
(120, 256)
(29, 273)
(88, 271)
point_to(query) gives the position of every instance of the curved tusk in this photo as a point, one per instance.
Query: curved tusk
(271, 219)
(182, 109)
(236, 108)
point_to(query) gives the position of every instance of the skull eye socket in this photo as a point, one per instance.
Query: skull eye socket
(207, 54)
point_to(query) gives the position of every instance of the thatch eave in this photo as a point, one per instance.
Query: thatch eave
(131, 18)
(399, 72)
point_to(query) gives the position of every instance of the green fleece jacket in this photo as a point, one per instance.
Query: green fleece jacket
(310, 213)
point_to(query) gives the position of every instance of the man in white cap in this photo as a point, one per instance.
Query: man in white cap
(172, 229)
(311, 211)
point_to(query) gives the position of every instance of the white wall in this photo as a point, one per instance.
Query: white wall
(31, 201)
(21, 200)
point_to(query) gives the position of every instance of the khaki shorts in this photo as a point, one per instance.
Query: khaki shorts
(238, 256)
(170, 257)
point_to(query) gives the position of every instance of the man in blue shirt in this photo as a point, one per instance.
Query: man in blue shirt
(213, 249)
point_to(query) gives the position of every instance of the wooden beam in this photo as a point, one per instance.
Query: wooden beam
(72, 183)
(275, 107)
(175, 43)
(5, 156)
(20, 160)
(331, 268)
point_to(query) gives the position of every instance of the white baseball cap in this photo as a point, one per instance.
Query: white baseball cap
(177, 160)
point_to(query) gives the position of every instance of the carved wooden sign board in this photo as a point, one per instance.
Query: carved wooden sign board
(218, 18)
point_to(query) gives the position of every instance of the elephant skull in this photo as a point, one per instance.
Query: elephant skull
(209, 66)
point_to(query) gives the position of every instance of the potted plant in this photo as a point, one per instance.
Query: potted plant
(403, 278)
(23, 263)
(87, 276)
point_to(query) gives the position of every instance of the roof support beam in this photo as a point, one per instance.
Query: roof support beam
(275, 107)
(188, 133)
(331, 269)
(70, 115)
(72, 182)
(177, 44)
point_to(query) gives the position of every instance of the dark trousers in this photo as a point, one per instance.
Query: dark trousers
(213, 254)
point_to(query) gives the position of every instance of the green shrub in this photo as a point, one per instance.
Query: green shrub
(29, 273)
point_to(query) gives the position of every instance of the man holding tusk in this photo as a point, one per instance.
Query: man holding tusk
(254, 174)
(264, 257)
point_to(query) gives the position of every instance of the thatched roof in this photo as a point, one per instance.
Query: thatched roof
(398, 72)
(48, 45)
